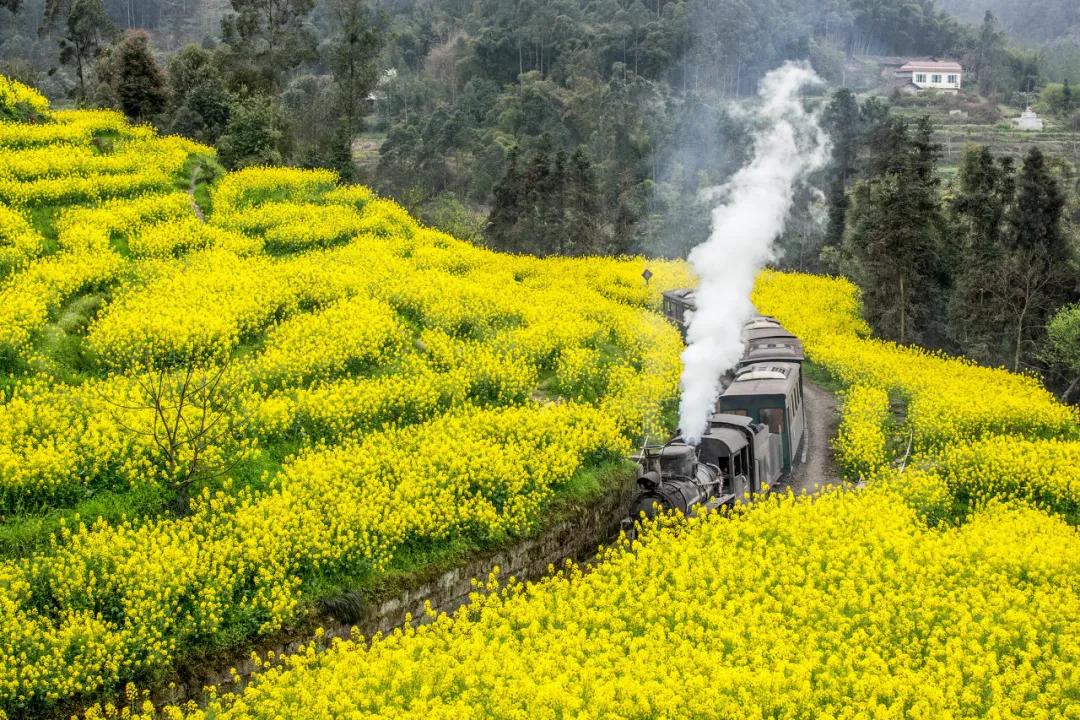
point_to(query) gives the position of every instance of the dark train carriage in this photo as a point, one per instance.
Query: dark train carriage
(678, 304)
(763, 327)
(745, 452)
(785, 350)
(770, 394)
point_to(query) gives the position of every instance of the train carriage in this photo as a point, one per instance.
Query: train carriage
(770, 394)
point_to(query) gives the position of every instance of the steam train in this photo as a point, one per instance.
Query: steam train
(753, 437)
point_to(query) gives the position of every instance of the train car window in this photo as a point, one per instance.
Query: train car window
(744, 413)
(738, 464)
(773, 417)
(723, 464)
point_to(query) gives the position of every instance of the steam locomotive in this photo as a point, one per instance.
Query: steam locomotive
(753, 437)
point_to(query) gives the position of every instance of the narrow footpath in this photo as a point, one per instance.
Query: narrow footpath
(817, 467)
(191, 194)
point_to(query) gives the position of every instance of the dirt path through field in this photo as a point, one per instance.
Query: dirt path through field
(191, 193)
(816, 464)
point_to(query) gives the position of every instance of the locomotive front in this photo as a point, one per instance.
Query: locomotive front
(672, 478)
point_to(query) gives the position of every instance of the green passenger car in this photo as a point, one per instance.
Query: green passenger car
(770, 394)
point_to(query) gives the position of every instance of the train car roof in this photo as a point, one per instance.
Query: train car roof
(683, 295)
(773, 350)
(768, 331)
(768, 378)
(723, 438)
(720, 419)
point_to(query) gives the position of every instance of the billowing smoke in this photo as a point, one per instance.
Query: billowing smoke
(755, 203)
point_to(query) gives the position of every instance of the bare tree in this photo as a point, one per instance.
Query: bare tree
(1024, 291)
(189, 416)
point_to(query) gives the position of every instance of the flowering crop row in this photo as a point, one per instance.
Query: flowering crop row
(949, 400)
(163, 154)
(19, 242)
(240, 190)
(128, 598)
(87, 259)
(14, 94)
(844, 607)
(862, 441)
(186, 234)
(67, 127)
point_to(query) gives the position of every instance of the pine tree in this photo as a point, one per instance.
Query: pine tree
(985, 191)
(585, 220)
(139, 83)
(842, 123)
(896, 230)
(507, 207)
(1034, 278)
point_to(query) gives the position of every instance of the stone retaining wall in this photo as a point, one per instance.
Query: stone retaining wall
(576, 537)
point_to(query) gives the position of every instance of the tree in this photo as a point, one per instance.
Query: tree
(271, 33)
(1034, 278)
(842, 122)
(896, 229)
(188, 414)
(501, 231)
(353, 53)
(138, 83)
(1062, 347)
(87, 29)
(200, 102)
(253, 134)
(985, 192)
(1067, 101)
(584, 222)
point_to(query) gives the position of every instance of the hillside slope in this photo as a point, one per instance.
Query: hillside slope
(208, 426)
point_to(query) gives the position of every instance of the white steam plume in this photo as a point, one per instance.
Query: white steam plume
(790, 144)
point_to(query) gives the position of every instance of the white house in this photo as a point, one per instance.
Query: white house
(945, 76)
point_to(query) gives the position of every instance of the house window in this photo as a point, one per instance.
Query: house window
(920, 77)
(953, 79)
(935, 79)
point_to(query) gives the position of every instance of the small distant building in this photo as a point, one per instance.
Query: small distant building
(946, 76)
(1028, 120)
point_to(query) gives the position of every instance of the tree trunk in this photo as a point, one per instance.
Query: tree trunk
(903, 310)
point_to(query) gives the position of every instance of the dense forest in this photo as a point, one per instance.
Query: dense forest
(581, 127)
(1035, 22)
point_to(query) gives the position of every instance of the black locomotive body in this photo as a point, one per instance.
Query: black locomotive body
(753, 438)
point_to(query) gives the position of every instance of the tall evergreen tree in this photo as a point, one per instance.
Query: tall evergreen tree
(979, 206)
(1034, 278)
(585, 208)
(353, 53)
(896, 230)
(139, 83)
(842, 123)
(507, 207)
